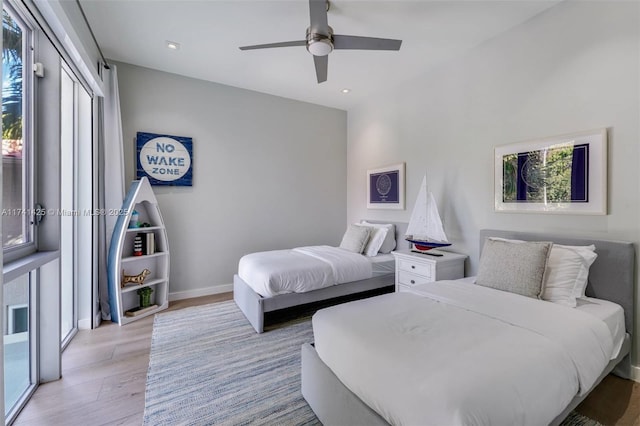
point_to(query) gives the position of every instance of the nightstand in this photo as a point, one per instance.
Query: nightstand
(415, 268)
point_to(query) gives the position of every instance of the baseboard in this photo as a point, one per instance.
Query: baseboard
(635, 373)
(84, 324)
(179, 295)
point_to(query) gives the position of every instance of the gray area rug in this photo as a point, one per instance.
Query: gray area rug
(208, 366)
(577, 419)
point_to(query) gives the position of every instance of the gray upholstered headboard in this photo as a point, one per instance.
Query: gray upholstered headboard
(612, 275)
(401, 230)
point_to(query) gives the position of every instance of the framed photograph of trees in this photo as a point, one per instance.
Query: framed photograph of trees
(561, 174)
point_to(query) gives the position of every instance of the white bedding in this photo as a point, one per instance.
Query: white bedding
(382, 264)
(611, 313)
(302, 269)
(455, 353)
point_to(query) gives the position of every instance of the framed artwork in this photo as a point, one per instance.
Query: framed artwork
(564, 174)
(164, 159)
(385, 187)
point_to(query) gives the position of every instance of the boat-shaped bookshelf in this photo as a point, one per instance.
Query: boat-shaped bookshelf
(130, 257)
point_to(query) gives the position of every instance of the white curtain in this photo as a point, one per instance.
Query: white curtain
(110, 175)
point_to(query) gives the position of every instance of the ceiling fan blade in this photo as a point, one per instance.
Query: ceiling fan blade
(269, 45)
(318, 15)
(322, 65)
(365, 43)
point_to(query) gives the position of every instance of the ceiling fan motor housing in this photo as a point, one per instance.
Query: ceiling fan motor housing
(319, 44)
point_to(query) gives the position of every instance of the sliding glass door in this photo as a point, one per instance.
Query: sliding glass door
(75, 201)
(67, 232)
(19, 340)
(47, 255)
(18, 210)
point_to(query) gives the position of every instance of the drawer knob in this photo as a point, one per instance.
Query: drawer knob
(413, 266)
(413, 282)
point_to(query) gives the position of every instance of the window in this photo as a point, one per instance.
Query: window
(18, 236)
(38, 258)
(18, 319)
(17, 92)
(17, 339)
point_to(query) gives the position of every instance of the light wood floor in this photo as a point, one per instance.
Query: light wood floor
(104, 373)
(103, 376)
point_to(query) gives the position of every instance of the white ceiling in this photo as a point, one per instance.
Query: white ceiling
(210, 32)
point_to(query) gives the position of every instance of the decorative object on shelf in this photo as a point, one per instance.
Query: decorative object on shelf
(385, 187)
(133, 222)
(562, 174)
(425, 230)
(134, 312)
(164, 159)
(137, 245)
(135, 279)
(145, 296)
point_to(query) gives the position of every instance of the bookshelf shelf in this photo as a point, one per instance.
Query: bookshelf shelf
(136, 258)
(147, 283)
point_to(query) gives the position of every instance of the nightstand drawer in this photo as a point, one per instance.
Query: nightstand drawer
(416, 268)
(413, 269)
(407, 278)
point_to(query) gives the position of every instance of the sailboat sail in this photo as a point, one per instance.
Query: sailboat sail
(425, 224)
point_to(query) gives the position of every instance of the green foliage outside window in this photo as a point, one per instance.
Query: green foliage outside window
(12, 79)
(546, 173)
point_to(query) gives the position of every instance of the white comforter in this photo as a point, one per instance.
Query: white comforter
(301, 269)
(454, 353)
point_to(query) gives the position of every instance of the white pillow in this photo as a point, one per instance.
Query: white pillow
(355, 238)
(376, 239)
(567, 273)
(390, 238)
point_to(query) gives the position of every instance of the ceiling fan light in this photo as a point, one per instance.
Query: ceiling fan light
(320, 47)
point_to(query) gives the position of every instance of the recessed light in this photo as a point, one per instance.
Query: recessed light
(173, 45)
(346, 90)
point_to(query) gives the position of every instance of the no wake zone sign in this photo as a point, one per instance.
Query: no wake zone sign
(164, 159)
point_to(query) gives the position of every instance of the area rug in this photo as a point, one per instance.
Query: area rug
(208, 366)
(576, 419)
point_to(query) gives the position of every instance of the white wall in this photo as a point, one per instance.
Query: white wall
(268, 173)
(574, 67)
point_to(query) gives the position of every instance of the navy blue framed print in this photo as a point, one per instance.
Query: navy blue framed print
(385, 187)
(164, 159)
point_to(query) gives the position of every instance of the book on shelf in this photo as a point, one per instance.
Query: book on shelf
(148, 242)
(151, 243)
(139, 311)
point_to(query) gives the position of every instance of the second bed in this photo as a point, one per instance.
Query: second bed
(280, 279)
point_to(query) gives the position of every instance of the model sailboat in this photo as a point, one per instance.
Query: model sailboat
(425, 229)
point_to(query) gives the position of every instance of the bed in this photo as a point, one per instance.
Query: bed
(523, 368)
(255, 305)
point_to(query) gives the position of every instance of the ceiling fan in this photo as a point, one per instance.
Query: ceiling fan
(321, 40)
